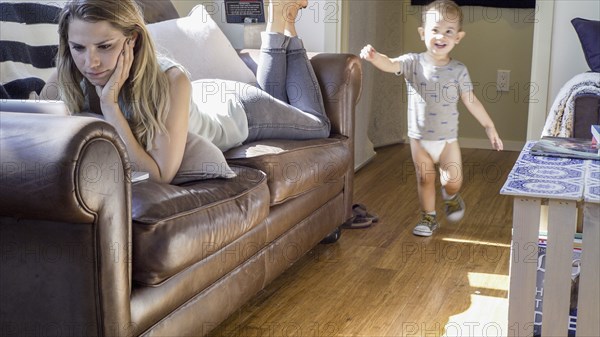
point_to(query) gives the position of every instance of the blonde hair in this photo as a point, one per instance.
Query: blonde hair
(447, 8)
(144, 97)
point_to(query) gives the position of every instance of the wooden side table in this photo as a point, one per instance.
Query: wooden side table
(588, 315)
(561, 183)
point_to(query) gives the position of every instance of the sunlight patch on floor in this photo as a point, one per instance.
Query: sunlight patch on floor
(487, 316)
(488, 281)
(485, 243)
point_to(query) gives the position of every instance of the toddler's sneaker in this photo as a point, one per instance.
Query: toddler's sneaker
(426, 226)
(455, 208)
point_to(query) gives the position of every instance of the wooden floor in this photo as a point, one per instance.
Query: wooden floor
(383, 281)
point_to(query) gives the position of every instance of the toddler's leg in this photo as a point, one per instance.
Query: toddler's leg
(426, 175)
(451, 177)
(451, 171)
(425, 169)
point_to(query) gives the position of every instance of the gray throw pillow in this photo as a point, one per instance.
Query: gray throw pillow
(201, 160)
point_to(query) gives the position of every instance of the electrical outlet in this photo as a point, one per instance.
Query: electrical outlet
(503, 80)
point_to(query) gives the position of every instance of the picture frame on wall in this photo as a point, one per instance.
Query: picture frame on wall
(485, 3)
(244, 11)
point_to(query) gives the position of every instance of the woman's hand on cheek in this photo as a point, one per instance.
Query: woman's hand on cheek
(109, 93)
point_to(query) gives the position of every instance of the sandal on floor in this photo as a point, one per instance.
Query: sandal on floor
(361, 210)
(357, 223)
(360, 218)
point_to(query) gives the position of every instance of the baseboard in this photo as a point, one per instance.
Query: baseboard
(394, 142)
(478, 143)
(362, 164)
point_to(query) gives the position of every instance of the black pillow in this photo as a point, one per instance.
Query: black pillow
(589, 36)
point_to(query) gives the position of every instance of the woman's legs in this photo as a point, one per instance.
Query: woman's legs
(302, 87)
(272, 65)
(281, 16)
(293, 108)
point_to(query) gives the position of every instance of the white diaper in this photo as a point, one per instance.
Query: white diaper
(435, 147)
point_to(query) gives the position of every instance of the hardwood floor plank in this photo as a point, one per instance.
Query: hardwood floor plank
(383, 281)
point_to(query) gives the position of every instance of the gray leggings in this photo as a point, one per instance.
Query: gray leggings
(289, 103)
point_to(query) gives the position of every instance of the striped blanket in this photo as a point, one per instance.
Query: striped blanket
(29, 42)
(559, 122)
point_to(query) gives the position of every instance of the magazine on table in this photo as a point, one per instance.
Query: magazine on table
(565, 147)
(596, 135)
(137, 176)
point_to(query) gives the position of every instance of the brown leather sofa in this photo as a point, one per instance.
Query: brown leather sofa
(587, 112)
(86, 253)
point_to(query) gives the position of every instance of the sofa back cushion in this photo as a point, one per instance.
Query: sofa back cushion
(155, 10)
(29, 39)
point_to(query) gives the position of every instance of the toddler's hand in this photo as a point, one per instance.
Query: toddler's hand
(494, 138)
(368, 53)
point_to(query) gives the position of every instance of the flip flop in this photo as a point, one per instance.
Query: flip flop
(360, 210)
(357, 223)
(360, 218)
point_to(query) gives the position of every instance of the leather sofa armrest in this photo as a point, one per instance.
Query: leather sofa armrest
(340, 78)
(59, 168)
(63, 176)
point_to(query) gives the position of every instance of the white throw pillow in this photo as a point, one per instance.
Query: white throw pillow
(197, 43)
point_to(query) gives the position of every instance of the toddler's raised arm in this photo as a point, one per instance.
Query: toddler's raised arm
(381, 61)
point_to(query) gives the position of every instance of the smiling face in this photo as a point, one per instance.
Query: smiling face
(95, 48)
(440, 33)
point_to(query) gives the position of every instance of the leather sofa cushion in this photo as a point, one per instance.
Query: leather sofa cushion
(177, 226)
(295, 167)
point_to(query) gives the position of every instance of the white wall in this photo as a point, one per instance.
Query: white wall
(567, 57)
(557, 53)
(357, 29)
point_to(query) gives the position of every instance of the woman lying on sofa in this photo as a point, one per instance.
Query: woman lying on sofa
(107, 64)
